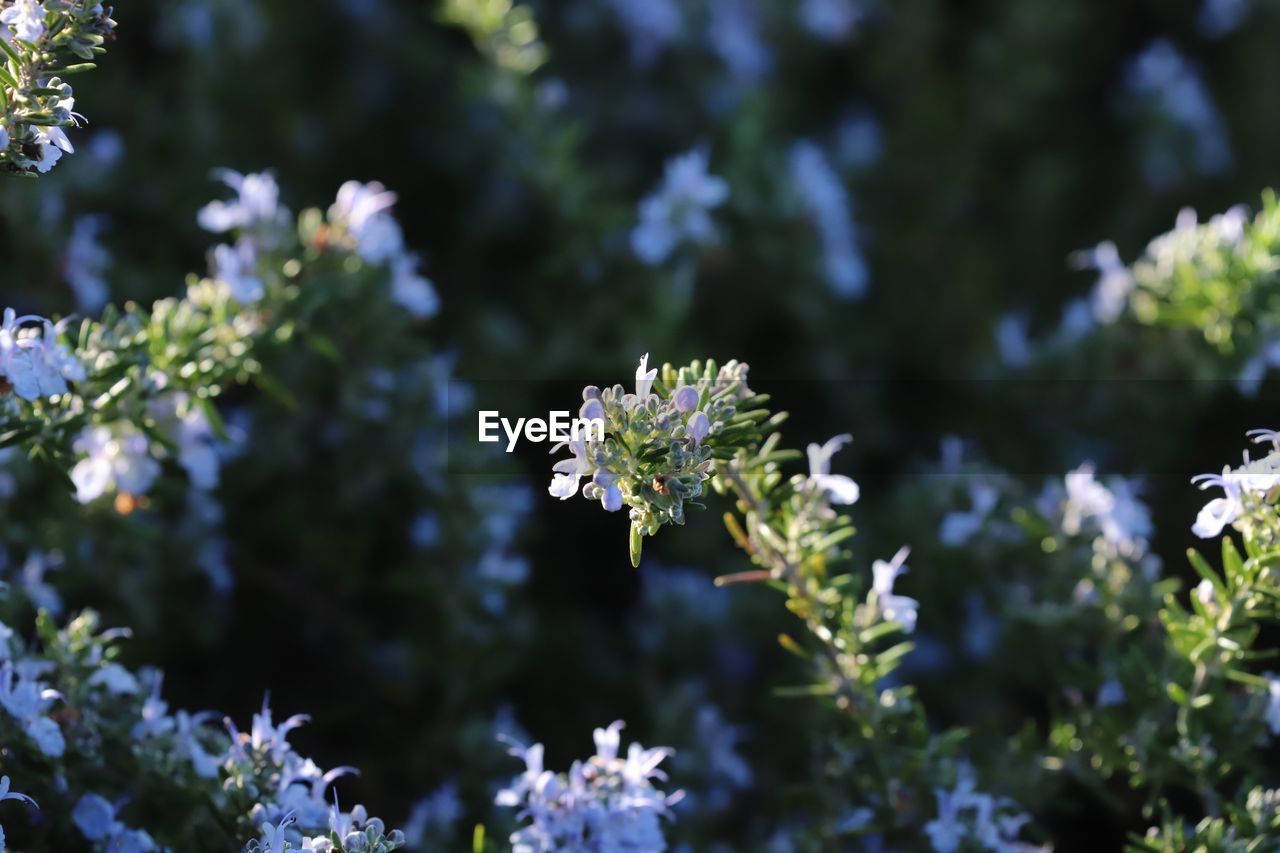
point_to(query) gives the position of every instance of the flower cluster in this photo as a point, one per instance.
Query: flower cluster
(1248, 494)
(137, 388)
(42, 41)
(606, 802)
(968, 816)
(660, 442)
(792, 531)
(69, 705)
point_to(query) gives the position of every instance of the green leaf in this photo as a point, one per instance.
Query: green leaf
(1202, 567)
(637, 543)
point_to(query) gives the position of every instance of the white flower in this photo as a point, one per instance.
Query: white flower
(115, 456)
(34, 362)
(644, 378)
(894, 608)
(53, 143)
(26, 19)
(257, 204)
(568, 472)
(678, 210)
(362, 210)
(1219, 512)
(838, 488)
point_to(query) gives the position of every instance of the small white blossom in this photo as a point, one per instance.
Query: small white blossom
(118, 457)
(362, 209)
(894, 608)
(838, 488)
(255, 208)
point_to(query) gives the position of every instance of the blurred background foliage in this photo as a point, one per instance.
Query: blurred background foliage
(979, 145)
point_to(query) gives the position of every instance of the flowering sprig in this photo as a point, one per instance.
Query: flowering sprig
(606, 802)
(114, 398)
(116, 769)
(661, 441)
(42, 43)
(701, 426)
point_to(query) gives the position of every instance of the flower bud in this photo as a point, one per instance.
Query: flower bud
(685, 398)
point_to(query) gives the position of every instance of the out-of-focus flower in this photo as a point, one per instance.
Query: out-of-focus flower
(84, 265)
(678, 211)
(603, 803)
(838, 488)
(115, 457)
(25, 19)
(894, 608)
(1115, 282)
(831, 20)
(256, 207)
(237, 268)
(734, 34)
(826, 203)
(33, 360)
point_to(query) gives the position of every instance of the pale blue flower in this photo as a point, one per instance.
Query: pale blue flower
(84, 264)
(237, 268)
(604, 803)
(1162, 76)
(28, 701)
(94, 816)
(685, 398)
(838, 488)
(115, 679)
(831, 20)
(362, 209)
(434, 816)
(25, 18)
(1013, 341)
(826, 203)
(410, 290)
(1115, 282)
(698, 426)
(116, 456)
(1272, 714)
(649, 25)
(256, 206)
(734, 34)
(959, 527)
(678, 211)
(1218, 18)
